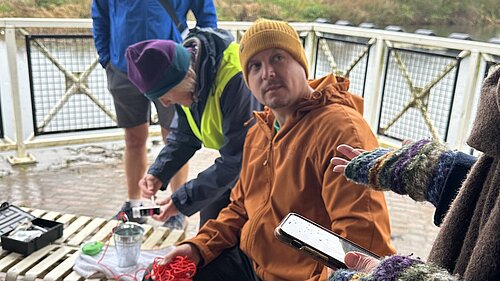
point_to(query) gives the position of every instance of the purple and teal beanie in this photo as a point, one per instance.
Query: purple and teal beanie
(156, 66)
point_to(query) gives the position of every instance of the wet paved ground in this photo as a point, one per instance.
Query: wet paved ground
(89, 180)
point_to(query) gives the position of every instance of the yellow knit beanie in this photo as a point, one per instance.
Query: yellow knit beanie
(265, 34)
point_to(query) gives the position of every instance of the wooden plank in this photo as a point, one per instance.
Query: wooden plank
(38, 213)
(105, 231)
(42, 267)
(27, 262)
(9, 260)
(155, 238)
(51, 216)
(66, 266)
(3, 252)
(173, 237)
(74, 227)
(85, 233)
(66, 219)
(73, 276)
(148, 229)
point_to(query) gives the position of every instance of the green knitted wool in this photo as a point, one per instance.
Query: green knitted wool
(385, 174)
(358, 276)
(366, 278)
(419, 172)
(375, 169)
(352, 170)
(426, 272)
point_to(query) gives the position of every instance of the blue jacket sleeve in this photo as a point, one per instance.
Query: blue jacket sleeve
(237, 104)
(204, 12)
(181, 146)
(100, 29)
(457, 174)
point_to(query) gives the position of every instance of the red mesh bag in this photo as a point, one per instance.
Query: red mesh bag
(179, 269)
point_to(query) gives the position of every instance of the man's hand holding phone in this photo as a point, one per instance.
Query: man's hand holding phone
(359, 262)
(318, 242)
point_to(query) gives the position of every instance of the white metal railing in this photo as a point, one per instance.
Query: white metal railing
(473, 55)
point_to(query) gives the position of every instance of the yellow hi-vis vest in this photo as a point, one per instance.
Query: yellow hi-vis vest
(210, 133)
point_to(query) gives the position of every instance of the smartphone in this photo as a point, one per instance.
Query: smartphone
(317, 241)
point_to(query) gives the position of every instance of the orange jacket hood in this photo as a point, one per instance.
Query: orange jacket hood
(327, 90)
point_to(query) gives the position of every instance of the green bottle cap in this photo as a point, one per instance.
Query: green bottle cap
(92, 248)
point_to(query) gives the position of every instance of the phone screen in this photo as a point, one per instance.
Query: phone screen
(313, 235)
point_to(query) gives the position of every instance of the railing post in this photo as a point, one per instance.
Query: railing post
(468, 106)
(310, 48)
(21, 157)
(375, 98)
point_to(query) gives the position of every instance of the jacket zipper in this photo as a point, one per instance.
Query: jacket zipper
(258, 215)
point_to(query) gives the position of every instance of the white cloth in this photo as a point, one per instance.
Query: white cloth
(88, 267)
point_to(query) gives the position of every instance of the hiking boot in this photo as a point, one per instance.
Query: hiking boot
(127, 209)
(178, 222)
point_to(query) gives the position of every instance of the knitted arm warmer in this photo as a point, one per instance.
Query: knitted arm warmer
(418, 169)
(401, 268)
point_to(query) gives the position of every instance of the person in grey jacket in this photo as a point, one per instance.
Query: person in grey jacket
(204, 81)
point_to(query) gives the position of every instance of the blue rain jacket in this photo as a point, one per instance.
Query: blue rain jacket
(118, 24)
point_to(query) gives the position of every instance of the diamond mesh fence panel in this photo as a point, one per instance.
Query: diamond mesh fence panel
(417, 95)
(68, 86)
(343, 57)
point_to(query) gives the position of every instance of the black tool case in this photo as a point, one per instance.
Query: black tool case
(11, 216)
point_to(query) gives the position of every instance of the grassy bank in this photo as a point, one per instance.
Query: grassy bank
(380, 12)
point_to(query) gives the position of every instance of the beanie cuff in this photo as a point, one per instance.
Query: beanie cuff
(269, 39)
(270, 34)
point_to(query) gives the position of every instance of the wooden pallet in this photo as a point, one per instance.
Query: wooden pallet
(55, 262)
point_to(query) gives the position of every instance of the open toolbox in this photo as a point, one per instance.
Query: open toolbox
(11, 217)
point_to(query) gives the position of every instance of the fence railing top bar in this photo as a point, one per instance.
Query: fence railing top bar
(243, 25)
(401, 37)
(230, 25)
(45, 22)
(410, 38)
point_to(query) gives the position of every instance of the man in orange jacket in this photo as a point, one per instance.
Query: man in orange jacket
(286, 169)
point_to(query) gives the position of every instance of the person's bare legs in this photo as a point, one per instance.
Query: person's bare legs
(135, 158)
(181, 176)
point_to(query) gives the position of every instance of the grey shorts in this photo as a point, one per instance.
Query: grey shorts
(131, 106)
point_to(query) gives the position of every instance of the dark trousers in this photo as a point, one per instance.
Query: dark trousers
(231, 265)
(212, 210)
